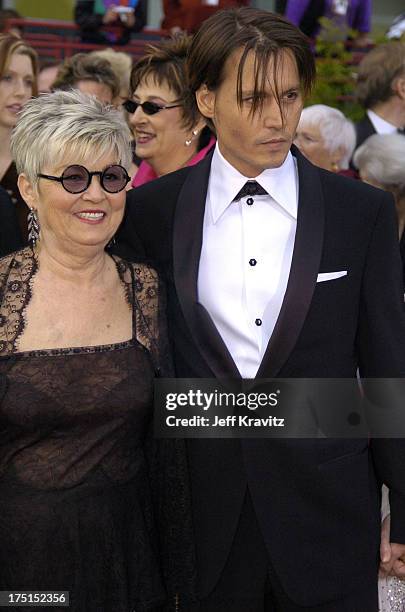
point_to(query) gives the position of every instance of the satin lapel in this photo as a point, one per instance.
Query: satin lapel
(187, 242)
(304, 270)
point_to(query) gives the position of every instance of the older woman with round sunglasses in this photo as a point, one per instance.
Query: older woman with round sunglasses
(81, 338)
(169, 133)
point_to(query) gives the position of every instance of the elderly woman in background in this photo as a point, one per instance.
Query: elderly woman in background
(81, 337)
(169, 134)
(327, 138)
(381, 162)
(18, 82)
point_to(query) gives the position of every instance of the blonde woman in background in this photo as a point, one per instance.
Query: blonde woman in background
(18, 83)
(121, 63)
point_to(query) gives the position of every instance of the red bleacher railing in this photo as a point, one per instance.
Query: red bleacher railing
(55, 39)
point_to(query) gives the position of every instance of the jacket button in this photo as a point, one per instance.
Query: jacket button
(258, 322)
(252, 262)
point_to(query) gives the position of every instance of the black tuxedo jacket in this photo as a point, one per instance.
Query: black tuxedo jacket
(364, 129)
(317, 501)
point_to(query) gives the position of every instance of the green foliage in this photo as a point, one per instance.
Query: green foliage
(336, 73)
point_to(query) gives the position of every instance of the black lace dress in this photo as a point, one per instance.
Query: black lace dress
(75, 501)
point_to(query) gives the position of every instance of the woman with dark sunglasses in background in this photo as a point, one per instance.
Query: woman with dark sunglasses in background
(168, 132)
(82, 337)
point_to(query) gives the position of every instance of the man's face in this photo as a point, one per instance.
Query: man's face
(252, 142)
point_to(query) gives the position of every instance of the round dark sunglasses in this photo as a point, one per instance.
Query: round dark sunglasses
(76, 179)
(149, 108)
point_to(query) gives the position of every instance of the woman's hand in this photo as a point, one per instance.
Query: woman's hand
(392, 555)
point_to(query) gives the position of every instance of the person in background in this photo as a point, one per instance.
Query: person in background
(188, 15)
(90, 75)
(326, 137)
(345, 14)
(47, 74)
(168, 134)
(6, 14)
(380, 90)
(121, 64)
(128, 16)
(18, 83)
(380, 161)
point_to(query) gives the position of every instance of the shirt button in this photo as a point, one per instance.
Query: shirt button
(249, 201)
(258, 322)
(252, 262)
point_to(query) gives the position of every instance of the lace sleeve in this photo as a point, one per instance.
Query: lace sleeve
(150, 312)
(167, 459)
(16, 273)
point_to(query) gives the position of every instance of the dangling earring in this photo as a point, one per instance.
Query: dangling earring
(33, 227)
(189, 141)
(335, 167)
(111, 243)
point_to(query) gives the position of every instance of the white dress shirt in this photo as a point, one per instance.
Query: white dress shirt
(246, 256)
(380, 125)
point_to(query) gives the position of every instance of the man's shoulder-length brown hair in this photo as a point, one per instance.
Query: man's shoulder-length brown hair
(265, 33)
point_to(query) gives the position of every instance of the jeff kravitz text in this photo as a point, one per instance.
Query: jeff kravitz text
(229, 421)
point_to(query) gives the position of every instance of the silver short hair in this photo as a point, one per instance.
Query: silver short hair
(336, 130)
(67, 125)
(382, 158)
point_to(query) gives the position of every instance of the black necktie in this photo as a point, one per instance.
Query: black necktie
(251, 188)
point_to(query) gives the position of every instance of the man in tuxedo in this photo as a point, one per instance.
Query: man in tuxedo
(381, 91)
(275, 267)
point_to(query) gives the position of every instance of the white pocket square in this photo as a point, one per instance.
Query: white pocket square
(326, 276)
